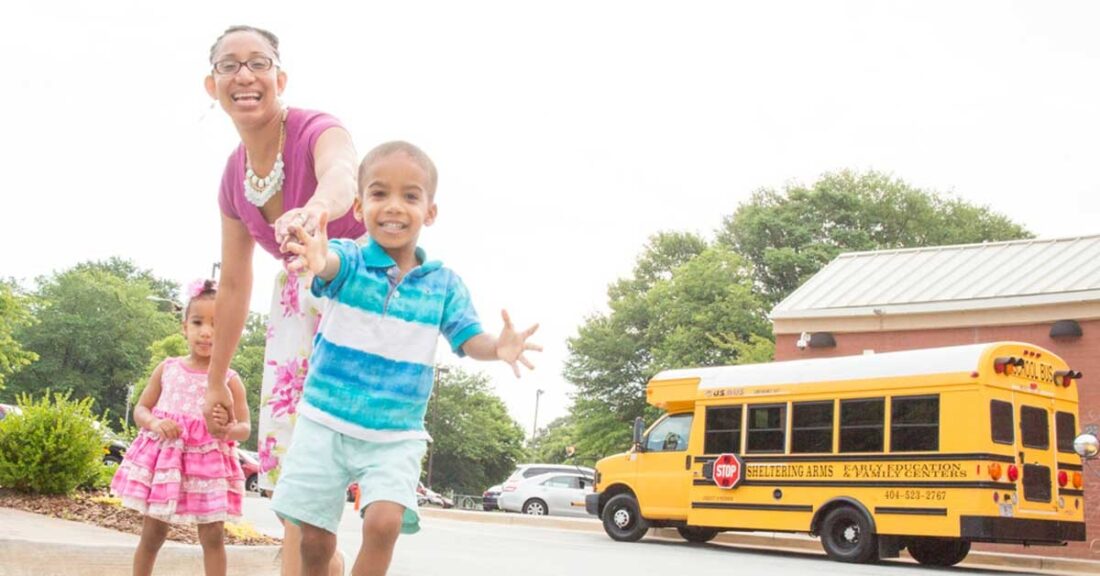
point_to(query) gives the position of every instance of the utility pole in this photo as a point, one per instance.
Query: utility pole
(431, 446)
(214, 270)
(535, 425)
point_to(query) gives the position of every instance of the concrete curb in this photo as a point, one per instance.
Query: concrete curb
(33, 544)
(769, 540)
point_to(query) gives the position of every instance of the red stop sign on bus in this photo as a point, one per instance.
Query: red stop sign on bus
(728, 471)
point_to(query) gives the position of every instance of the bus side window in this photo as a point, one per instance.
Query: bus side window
(670, 435)
(914, 423)
(1065, 430)
(811, 427)
(1000, 422)
(723, 430)
(767, 427)
(862, 424)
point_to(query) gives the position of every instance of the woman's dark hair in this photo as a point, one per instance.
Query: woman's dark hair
(269, 36)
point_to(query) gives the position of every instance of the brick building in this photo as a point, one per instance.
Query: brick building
(1044, 292)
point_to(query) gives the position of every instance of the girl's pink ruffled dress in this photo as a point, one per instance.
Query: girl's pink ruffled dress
(194, 479)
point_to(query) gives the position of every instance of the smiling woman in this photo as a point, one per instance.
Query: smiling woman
(292, 167)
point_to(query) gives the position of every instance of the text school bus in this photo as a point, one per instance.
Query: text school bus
(927, 450)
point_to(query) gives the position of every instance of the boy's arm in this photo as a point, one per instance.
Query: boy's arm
(314, 251)
(509, 346)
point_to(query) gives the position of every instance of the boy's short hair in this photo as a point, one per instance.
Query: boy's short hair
(387, 148)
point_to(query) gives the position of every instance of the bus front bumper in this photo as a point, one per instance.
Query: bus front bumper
(592, 504)
(997, 529)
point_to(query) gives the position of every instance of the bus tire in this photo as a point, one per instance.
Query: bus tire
(846, 536)
(938, 551)
(697, 534)
(622, 519)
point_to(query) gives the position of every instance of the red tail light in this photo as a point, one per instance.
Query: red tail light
(1063, 478)
(510, 488)
(1013, 473)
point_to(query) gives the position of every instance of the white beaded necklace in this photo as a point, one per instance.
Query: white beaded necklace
(259, 190)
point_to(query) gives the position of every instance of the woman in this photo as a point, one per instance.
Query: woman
(292, 166)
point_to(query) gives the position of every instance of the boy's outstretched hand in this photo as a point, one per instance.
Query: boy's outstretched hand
(511, 344)
(312, 249)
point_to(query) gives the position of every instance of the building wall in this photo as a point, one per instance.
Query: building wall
(1081, 353)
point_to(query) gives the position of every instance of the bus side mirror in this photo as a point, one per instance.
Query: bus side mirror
(1087, 446)
(639, 428)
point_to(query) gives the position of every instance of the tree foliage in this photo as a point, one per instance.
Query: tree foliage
(476, 443)
(15, 313)
(790, 234)
(687, 304)
(94, 325)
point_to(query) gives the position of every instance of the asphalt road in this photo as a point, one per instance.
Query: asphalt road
(460, 548)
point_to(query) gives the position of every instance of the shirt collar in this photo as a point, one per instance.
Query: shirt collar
(374, 256)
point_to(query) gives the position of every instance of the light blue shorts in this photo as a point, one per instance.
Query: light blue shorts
(322, 462)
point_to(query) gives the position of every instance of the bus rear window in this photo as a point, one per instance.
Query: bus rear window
(861, 425)
(811, 427)
(1066, 430)
(1000, 422)
(766, 429)
(914, 423)
(1034, 430)
(723, 432)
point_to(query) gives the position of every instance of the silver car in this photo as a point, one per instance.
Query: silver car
(557, 493)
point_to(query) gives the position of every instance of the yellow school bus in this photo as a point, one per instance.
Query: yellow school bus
(925, 450)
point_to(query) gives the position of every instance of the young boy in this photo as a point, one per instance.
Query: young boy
(362, 410)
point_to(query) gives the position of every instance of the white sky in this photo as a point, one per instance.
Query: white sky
(565, 132)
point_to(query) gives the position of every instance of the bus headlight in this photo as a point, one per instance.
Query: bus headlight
(1086, 445)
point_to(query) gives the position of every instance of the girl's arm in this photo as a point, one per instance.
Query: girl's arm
(230, 313)
(143, 411)
(241, 427)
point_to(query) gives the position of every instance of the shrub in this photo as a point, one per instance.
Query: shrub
(100, 478)
(52, 447)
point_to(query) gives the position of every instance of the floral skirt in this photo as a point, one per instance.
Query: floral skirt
(194, 479)
(294, 319)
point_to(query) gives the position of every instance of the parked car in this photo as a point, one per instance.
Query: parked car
(489, 498)
(429, 497)
(250, 463)
(6, 409)
(524, 471)
(557, 493)
(114, 447)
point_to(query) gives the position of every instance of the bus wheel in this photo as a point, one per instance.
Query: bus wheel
(846, 536)
(622, 520)
(938, 551)
(696, 534)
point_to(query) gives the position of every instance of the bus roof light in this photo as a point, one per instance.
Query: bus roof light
(1063, 478)
(1013, 473)
(1004, 364)
(995, 471)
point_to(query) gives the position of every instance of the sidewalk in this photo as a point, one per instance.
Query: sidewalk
(36, 545)
(31, 544)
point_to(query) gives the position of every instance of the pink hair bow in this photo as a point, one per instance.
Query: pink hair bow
(198, 287)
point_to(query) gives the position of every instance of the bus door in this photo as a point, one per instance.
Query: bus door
(1035, 453)
(664, 468)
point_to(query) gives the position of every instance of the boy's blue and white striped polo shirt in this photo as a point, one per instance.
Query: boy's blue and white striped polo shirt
(371, 372)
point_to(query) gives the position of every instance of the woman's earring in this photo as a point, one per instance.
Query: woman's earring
(207, 111)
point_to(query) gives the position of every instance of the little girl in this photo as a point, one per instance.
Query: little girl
(175, 471)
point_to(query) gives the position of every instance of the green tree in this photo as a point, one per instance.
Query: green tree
(552, 443)
(789, 235)
(92, 334)
(249, 364)
(476, 443)
(687, 304)
(14, 314)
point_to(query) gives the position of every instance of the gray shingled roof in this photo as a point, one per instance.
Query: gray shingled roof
(946, 278)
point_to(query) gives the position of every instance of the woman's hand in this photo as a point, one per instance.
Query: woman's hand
(165, 428)
(308, 218)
